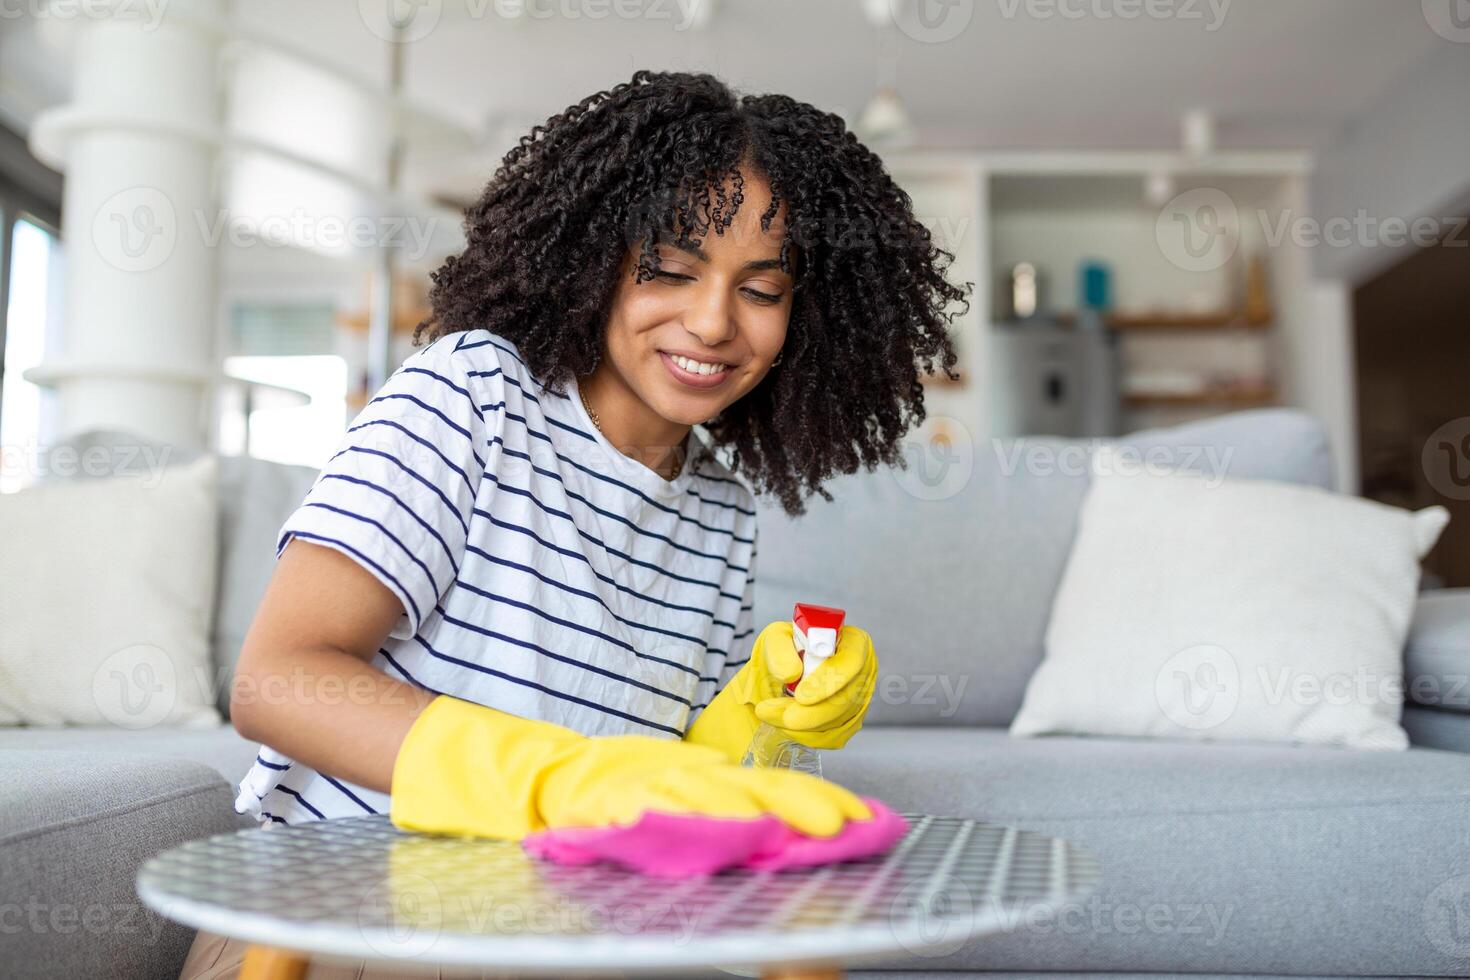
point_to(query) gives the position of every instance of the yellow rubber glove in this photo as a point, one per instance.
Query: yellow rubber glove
(828, 706)
(467, 769)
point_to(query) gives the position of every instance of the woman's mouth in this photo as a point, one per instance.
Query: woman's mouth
(695, 373)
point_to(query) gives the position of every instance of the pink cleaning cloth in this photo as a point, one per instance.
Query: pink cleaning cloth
(673, 845)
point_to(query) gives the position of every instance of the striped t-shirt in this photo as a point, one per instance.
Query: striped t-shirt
(541, 571)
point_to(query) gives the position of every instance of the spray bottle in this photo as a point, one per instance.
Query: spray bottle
(815, 630)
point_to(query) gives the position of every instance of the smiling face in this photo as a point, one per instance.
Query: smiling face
(704, 331)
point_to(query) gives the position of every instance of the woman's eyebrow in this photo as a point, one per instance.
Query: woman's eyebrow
(703, 256)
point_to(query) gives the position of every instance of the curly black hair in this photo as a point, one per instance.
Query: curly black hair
(649, 159)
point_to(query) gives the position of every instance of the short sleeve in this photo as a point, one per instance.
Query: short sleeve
(744, 636)
(399, 493)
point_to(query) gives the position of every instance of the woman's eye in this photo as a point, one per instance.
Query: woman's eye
(758, 295)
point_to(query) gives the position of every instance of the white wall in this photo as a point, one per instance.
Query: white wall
(1406, 156)
(951, 202)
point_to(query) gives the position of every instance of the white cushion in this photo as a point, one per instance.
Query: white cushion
(106, 590)
(1238, 609)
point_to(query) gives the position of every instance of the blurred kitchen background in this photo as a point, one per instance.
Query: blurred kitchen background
(219, 217)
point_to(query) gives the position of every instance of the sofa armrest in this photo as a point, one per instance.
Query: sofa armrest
(75, 826)
(1433, 728)
(1437, 657)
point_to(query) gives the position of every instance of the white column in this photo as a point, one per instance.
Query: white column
(1329, 388)
(138, 145)
(1314, 340)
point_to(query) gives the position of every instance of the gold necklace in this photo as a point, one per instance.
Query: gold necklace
(590, 413)
(597, 422)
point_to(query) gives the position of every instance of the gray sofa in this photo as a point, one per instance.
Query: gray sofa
(1219, 859)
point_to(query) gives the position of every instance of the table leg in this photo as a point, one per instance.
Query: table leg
(808, 973)
(270, 963)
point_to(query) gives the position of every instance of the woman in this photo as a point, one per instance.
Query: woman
(520, 595)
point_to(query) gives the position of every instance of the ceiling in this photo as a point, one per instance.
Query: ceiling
(1020, 73)
(1016, 74)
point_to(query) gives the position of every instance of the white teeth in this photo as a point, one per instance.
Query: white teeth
(696, 367)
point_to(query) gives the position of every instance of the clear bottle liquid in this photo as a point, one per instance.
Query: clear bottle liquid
(815, 630)
(769, 749)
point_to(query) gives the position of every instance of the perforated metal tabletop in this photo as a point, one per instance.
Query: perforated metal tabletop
(360, 888)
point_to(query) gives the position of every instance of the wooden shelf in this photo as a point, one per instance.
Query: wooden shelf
(410, 304)
(1242, 396)
(404, 321)
(1149, 322)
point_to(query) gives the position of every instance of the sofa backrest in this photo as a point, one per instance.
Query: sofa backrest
(255, 497)
(957, 590)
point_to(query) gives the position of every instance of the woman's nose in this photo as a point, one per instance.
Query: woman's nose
(710, 318)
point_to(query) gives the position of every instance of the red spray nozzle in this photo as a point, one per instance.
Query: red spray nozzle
(815, 629)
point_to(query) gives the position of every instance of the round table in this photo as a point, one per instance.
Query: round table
(358, 888)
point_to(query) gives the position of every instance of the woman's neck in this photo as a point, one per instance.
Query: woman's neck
(630, 425)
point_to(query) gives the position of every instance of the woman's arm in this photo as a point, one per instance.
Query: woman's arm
(303, 684)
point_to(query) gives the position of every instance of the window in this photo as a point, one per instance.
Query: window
(32, 327)
(288, 399)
